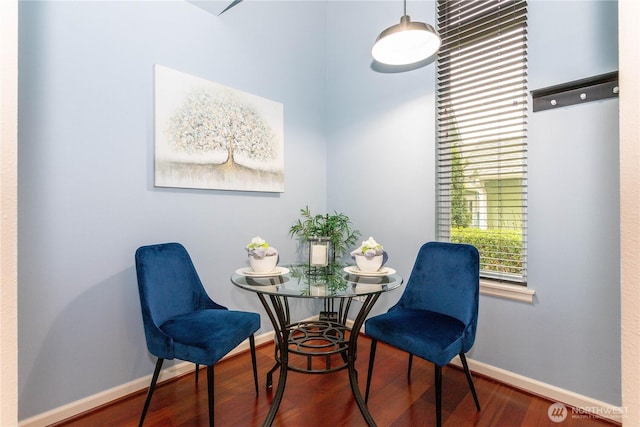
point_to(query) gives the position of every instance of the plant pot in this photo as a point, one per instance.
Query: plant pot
(264, 265)
(369, 265)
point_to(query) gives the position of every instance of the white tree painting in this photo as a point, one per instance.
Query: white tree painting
(211, 136)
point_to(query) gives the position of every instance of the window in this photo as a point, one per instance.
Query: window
(482, 124)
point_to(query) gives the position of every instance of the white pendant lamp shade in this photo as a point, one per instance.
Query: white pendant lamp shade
(405, 43)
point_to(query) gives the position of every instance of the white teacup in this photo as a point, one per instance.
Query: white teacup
(263, 265)
(369, 265)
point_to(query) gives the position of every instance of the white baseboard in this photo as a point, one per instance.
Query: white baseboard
(74, 408)
(584, 405)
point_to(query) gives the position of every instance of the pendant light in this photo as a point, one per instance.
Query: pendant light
(406, 43)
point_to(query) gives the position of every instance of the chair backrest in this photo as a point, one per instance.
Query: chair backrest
(169, 286)
(446, 279)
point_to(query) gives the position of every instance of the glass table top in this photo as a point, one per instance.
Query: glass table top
(340, 281)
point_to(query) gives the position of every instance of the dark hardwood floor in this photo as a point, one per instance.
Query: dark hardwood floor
(326, 400)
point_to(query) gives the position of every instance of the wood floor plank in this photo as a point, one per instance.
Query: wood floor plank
(326, 400)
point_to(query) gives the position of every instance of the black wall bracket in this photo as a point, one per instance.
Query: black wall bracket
(593, 88)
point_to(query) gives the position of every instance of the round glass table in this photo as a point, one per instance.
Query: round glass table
(317, 346)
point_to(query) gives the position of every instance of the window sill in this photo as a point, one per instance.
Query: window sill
(502, 290)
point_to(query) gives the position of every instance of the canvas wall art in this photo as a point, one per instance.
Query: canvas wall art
(211, 136)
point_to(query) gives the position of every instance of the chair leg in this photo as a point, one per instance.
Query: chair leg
(210, 393)
(463, 359)
(372, 356)
(252, 344)
(438, 373)
(409, 367)
(152, 387)
(197, 372)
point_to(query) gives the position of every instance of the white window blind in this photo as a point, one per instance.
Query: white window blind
(482, 124)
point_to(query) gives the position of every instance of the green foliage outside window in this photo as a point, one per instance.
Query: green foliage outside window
(460, 215)
(500, 250)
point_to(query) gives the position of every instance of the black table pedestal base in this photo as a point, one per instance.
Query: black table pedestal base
(310, 346)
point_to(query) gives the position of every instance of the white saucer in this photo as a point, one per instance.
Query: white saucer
(247, 271)
(384, 271)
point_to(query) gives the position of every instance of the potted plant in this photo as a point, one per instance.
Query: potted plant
(336, 227)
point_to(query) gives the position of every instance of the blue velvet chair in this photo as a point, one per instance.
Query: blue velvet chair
(181, 321)
(436, 316)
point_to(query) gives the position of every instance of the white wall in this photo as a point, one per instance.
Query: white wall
(381, 167)
(629, 14)
(8, 212)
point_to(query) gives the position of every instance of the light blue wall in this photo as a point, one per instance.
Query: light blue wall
(381, 171)
(573, 330)
(87, 199)
(86, 191)
(381, 133)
